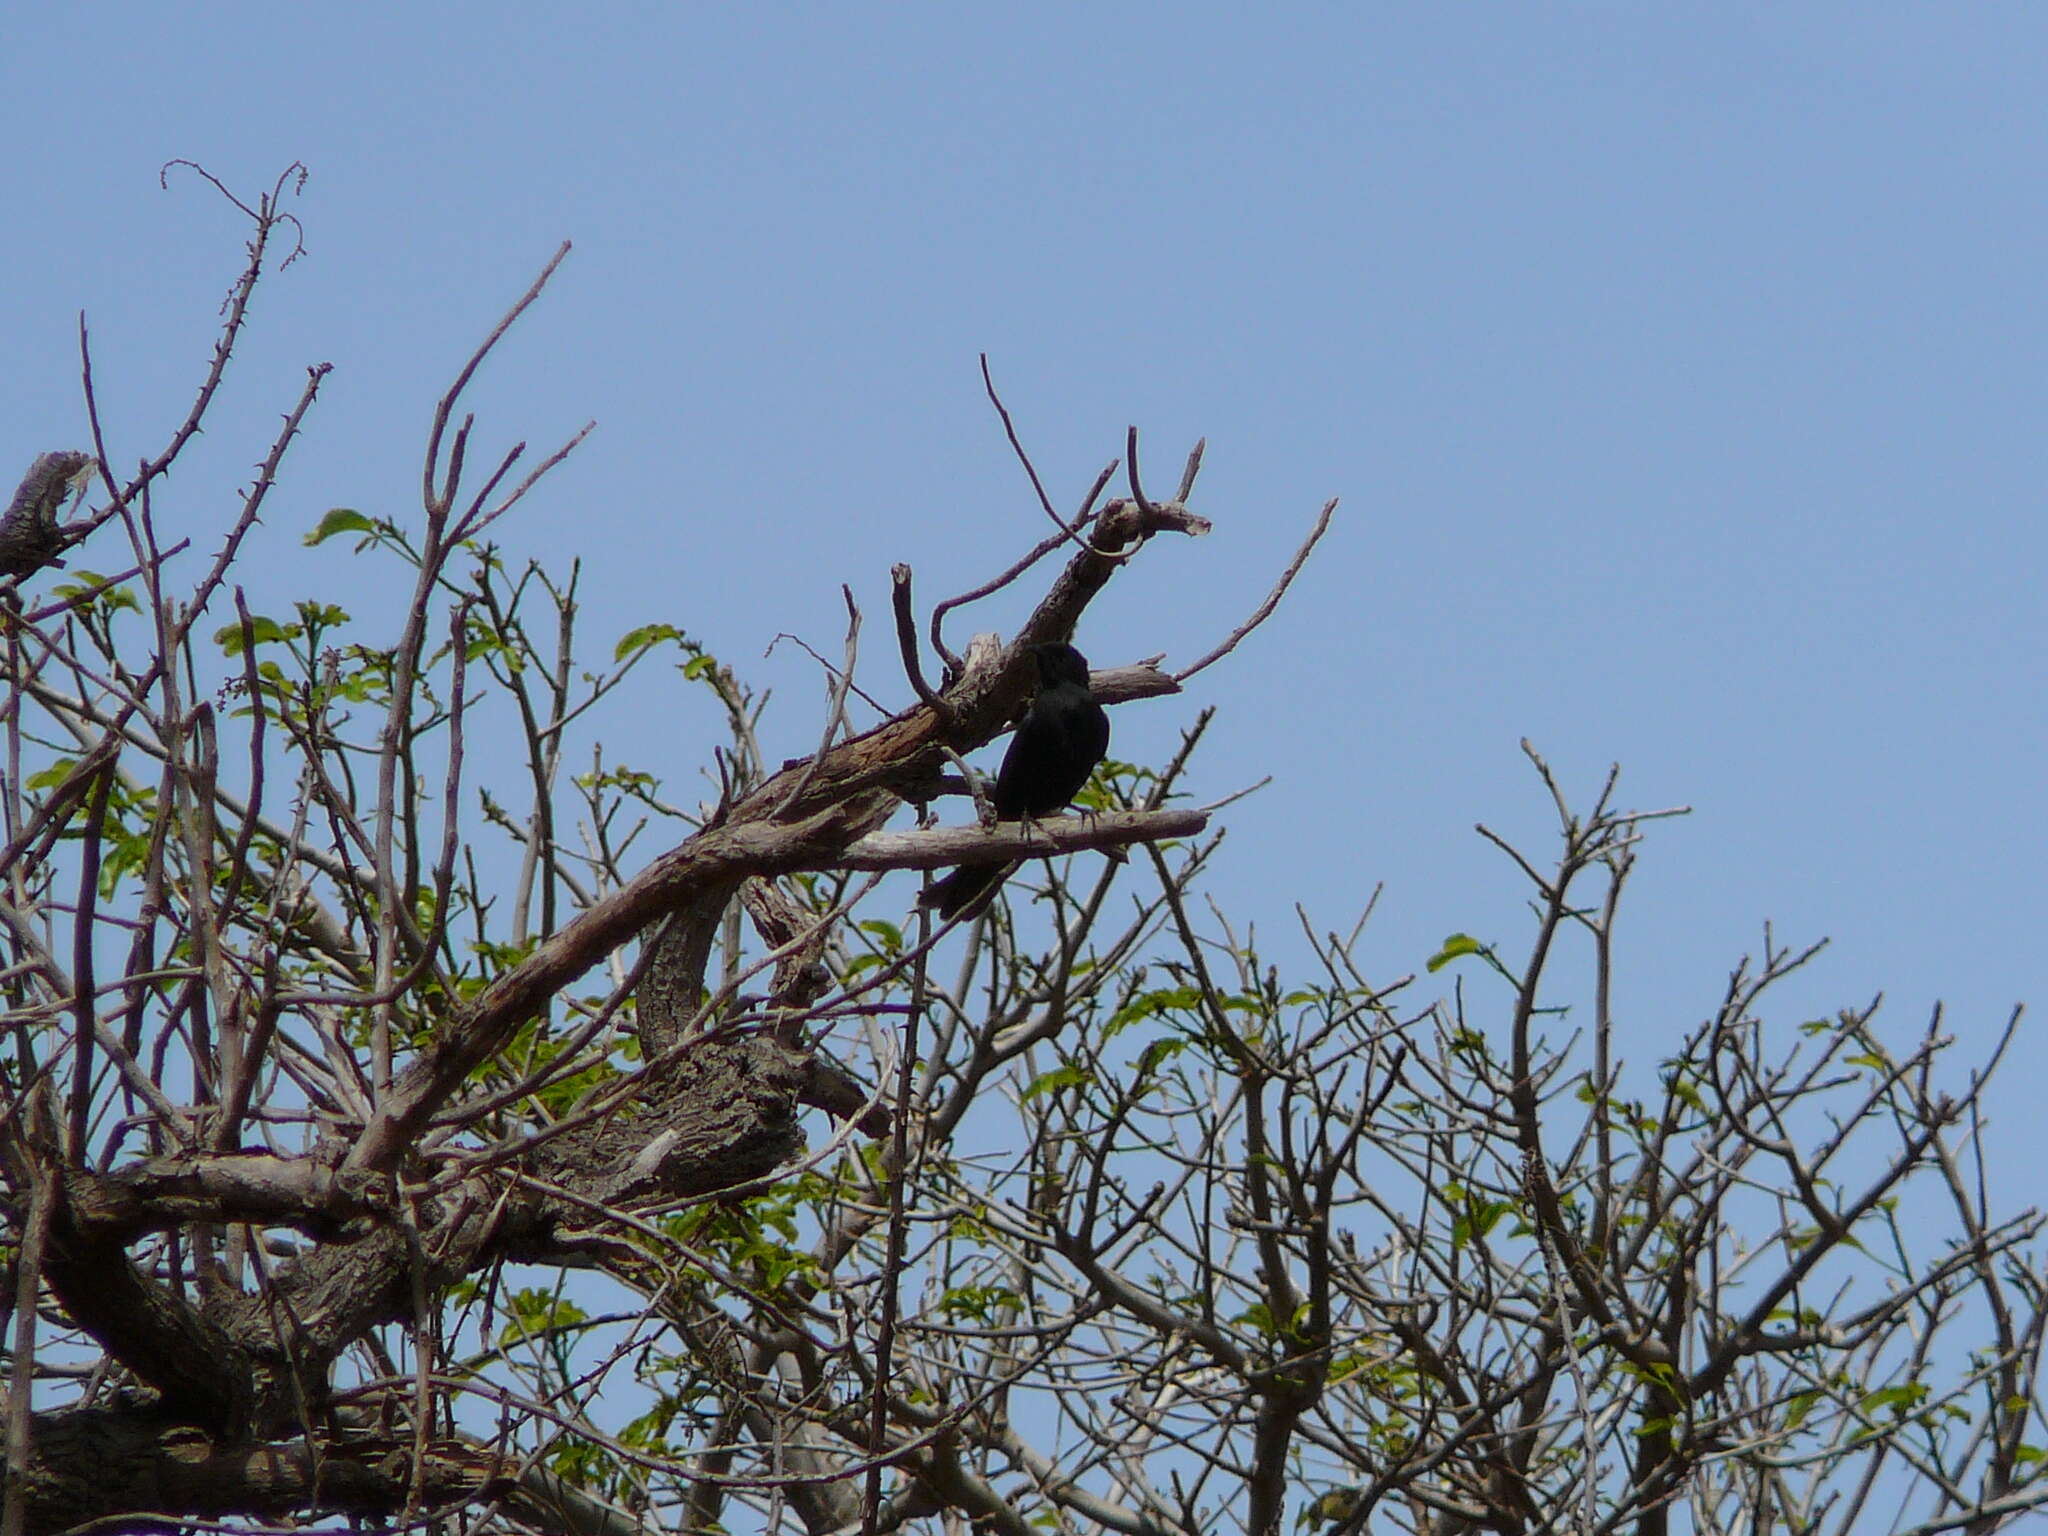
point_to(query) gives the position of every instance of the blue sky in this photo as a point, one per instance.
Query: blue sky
(1680, 367)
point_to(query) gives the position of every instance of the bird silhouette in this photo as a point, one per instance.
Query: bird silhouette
(1058, 743)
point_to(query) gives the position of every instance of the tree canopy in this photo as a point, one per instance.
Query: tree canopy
(417, 1113)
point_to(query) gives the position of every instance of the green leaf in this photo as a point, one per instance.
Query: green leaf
(639, 639)
(1338, 1504)
(341, 520)
(1455, 947)
(1157, 1054)
(1066, 1076)
(263, 631)
(888, 935)
(1147, 1005)
(978, 1303)
(1348, 1365)
(52, 776)
(1479, 1218)
(108, 598)
(1260, 1316)
(1897, 1399)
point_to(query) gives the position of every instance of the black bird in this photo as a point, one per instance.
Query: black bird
(1060, 740)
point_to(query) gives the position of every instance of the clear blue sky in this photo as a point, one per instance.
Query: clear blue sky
(1681, 369)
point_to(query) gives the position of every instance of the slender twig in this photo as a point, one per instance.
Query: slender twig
(906, 642)
(84, 937)
(988, 383)
(445, 493)
(842, 680)
(1265, 609)
(35, 1231)
(898, 1173)
(1069, 532)
(1037, 553)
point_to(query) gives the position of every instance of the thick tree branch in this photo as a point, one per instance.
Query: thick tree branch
(939, 847)
(126, 1464)
(846, 793)
(201, 1374)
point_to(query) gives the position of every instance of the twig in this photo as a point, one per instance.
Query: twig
(842, 680)
(265, 216)
(21, 1365)
(1131, 471)
(446, 407)
(1010, 427)
(812, 651)
(80, 598)
(265, 211)
(470, 526)
(898, 1166)
(1045, 547)
(82, 961)
(1067, 530)
(906, 641)
(1265, 609)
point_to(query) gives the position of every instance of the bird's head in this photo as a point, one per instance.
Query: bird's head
(1058, 663)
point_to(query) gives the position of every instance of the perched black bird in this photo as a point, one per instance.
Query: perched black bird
(1063, 736)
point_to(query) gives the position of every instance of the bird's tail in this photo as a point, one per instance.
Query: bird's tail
(966, 889)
